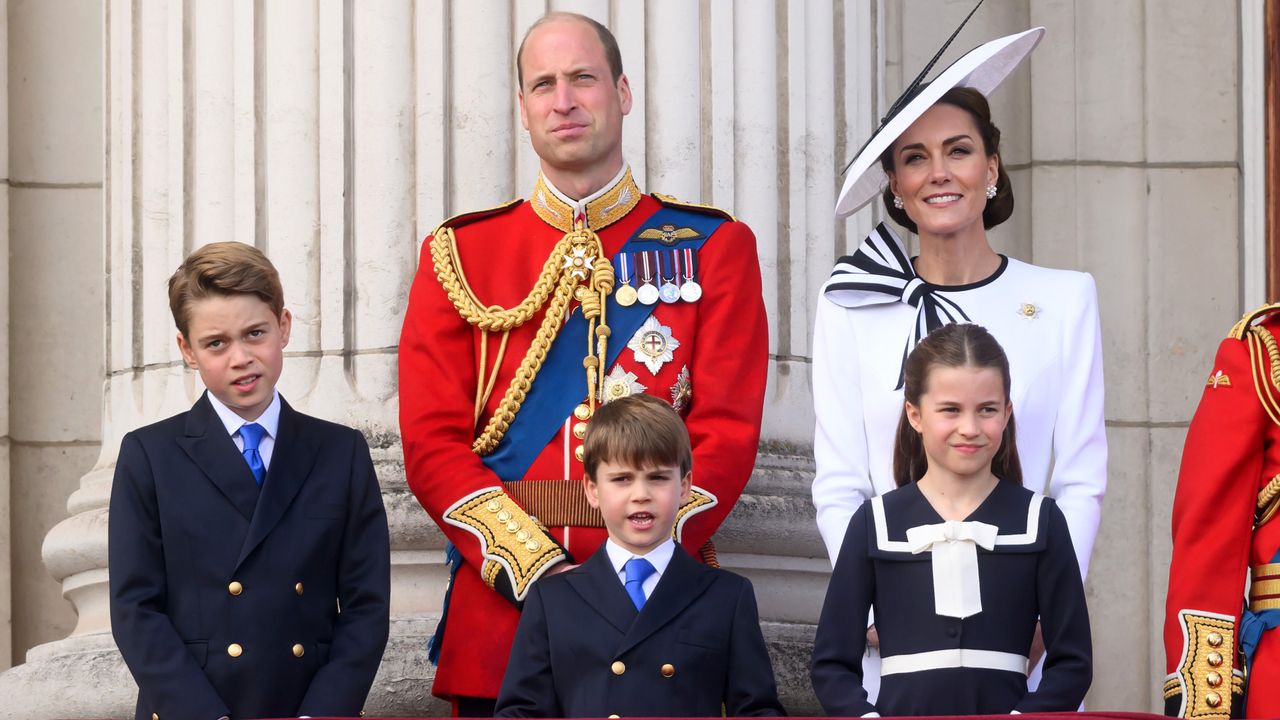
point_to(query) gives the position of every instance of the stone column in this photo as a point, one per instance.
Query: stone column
(52, 228)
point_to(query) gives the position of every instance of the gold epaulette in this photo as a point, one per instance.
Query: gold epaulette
(1250, 318)
(465, 218)
(669, 201)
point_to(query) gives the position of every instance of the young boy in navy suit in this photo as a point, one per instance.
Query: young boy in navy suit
(640, 628)
(250, 566)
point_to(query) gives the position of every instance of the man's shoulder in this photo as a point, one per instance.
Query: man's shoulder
(476, 216)
(670, 201)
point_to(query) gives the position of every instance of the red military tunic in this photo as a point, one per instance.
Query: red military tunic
(1224, 525)
(715, 378)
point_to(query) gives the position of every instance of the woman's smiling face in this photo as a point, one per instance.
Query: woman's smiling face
(941, 171)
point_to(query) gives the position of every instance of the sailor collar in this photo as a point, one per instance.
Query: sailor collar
(599, 210)
(1016, 511)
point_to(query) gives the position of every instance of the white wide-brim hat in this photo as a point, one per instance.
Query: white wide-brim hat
(982, 68)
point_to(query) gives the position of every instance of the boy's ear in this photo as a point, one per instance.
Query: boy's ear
(286, 325)
(187, 354)
(589, 488)
(686, 487)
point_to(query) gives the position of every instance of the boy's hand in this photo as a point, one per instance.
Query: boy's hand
(1037, 648)
(873, 637)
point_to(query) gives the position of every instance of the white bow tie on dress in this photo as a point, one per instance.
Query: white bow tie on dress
(954, 544)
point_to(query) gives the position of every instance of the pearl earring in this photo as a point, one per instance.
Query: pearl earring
(897, 202)
(991, 192)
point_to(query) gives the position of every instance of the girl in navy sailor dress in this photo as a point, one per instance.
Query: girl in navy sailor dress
(958, 562)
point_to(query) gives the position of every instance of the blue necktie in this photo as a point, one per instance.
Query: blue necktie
(637, 571)
(251, 434)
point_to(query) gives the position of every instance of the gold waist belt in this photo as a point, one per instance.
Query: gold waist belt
(1264, 588)
(555, 502)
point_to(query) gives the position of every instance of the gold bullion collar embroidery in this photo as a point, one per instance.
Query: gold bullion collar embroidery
(601, 209)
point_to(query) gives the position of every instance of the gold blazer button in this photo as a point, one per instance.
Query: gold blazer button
(668, 670)
(298, 650)
(235, 588)
(618, 667)
(234, 650)
(298, 588)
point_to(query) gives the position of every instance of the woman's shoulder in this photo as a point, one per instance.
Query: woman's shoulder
(1048, 276)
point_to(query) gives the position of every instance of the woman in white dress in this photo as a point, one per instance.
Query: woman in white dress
(937, 157)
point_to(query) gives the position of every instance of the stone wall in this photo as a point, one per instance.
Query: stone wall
(335, 135)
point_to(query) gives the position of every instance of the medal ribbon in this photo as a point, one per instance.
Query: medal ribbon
(561, 385)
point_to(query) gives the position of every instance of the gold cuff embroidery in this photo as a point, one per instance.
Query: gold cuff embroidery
(1172, 687)
(1208, 656)
(510, 540)
(1264, 587)
(699, 501)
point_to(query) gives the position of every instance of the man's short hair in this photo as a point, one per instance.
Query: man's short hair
(222, 269)
(611, 52)
(638, 430)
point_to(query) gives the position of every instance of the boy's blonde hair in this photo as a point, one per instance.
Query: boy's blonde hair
(223, 268)
(639, 430)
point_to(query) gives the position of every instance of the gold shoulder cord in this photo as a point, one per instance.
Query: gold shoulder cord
(576, 269)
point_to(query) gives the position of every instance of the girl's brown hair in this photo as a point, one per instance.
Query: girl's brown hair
(975, 103)
(951, 346)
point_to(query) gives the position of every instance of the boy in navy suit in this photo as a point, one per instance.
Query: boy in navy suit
(640, 628)
(250, 566)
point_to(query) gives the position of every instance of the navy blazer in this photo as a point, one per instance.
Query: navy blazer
(582, 650)
(227, 599)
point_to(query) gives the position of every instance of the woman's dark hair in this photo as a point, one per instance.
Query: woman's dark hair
(951, 346)
(975, 103)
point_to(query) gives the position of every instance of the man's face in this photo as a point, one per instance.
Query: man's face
(569, 102)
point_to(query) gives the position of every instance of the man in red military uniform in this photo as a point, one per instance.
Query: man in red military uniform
(523, 318)
(1223, 656)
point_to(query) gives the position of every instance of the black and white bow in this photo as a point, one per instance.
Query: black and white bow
(880, 272)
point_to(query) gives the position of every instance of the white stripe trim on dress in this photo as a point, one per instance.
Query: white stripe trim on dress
(954, 658)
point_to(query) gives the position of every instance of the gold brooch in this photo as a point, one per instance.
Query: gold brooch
(1029, 311)
(668, 234)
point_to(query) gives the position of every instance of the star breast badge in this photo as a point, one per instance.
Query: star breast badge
(682, 391)
(620, 383)
(653, 345)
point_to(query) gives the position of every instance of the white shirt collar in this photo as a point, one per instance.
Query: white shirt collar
(269, 419)
(659, 557)
(580, 206)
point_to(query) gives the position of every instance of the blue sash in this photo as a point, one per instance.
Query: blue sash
(561, 384)
(1252, 625)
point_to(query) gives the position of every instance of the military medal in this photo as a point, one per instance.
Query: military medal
(669, 292)
(690, 290)
(625, 295)
(653, 345)
(648, 292)
(619, 384)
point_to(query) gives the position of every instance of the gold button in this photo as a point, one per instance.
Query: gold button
(522, 536)
(298, 588)
(1214, 679)
(618, 667)
(582, 412)
(578, 453)
(614, 717)
(513, 526)
(580, 430)
(298, 650)
(504, 516)
(1214, 639)
(155, 716)
(235, 588)
(1212, 699)
(533, 546)
(668, 670)
(494, 506)
(234, 650)
(1215, 659)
